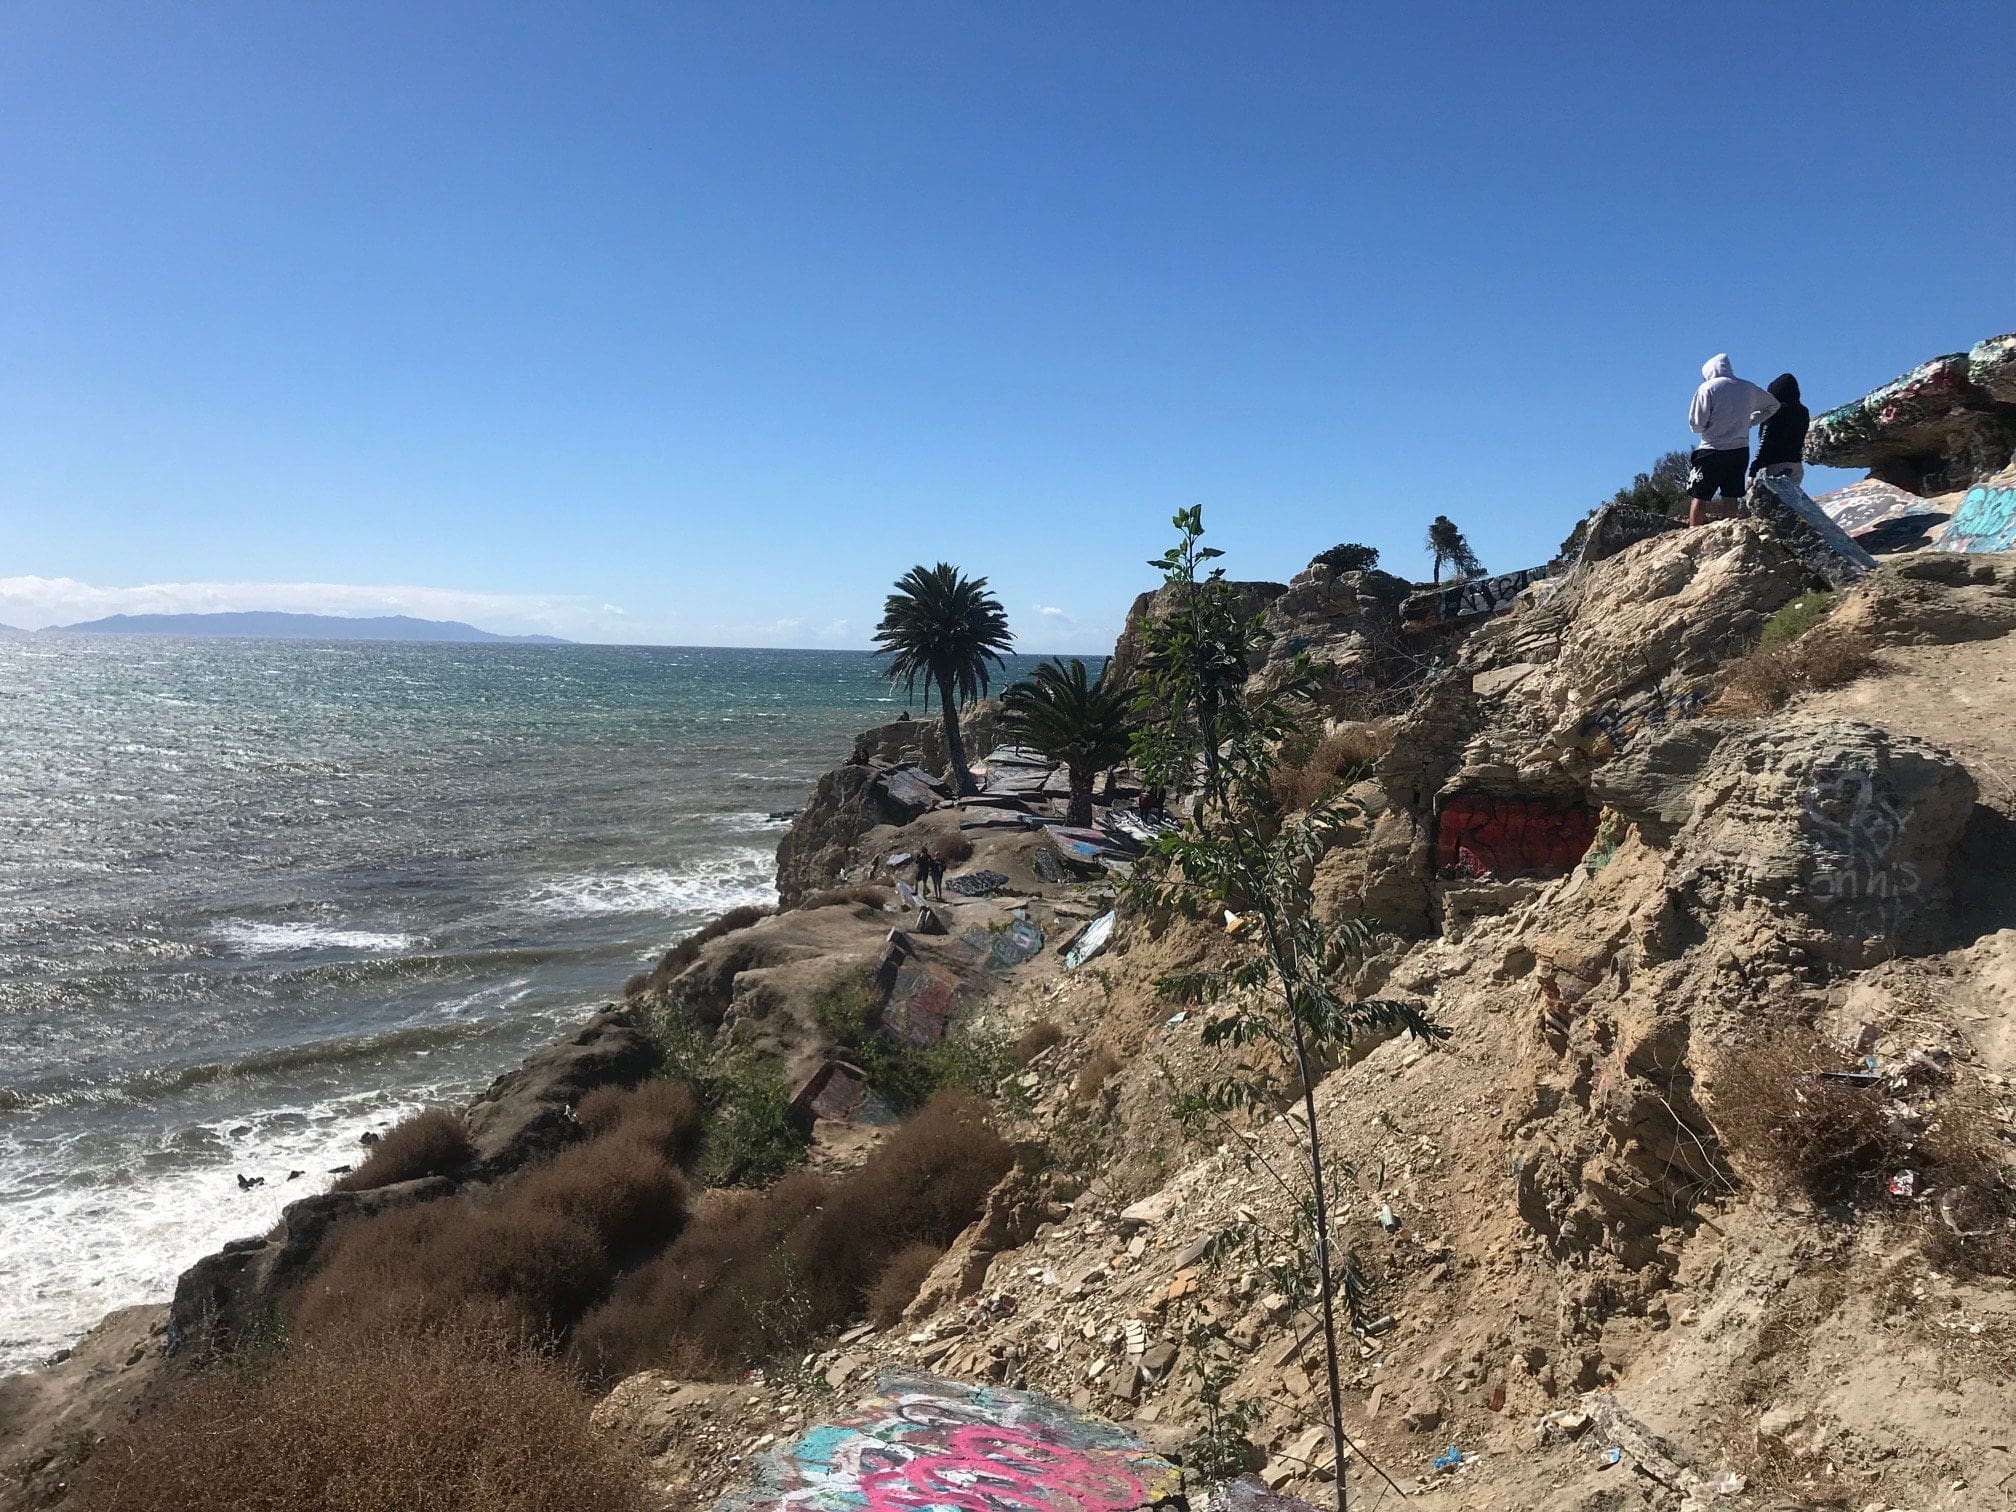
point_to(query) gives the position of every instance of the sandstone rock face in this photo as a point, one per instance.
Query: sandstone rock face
(1347, 623)
(1935, 599)
(1946, 424)
(527, 1114)
(1840, 826)
(1153, 607)
(921, 741)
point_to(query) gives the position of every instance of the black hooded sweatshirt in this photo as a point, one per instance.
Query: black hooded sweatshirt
(1782, 438)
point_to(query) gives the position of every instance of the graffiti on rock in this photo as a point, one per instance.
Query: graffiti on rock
(1481, 836)
(1469, 600)
(1623, 720)
(927, 1445)
(920, 1003)
(1985, 521)
(1855, 828)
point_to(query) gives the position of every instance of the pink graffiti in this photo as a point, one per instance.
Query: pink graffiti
(985, 1468)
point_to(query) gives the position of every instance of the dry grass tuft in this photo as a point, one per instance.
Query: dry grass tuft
(896, 1288)
(1769, 677)
(1302, 779)
(375, 1424)
(1094, 1074)
(1033, 1041)
(661, 1112)
(954, 849)
(757, 1274)
(430, 1143)
(1836, 1141)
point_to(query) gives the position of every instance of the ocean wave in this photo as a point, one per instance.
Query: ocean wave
(710, 885)
(252, 938)
(750, 819)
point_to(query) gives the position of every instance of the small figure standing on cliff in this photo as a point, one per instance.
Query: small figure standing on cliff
(1781, 440)
(930, 874)
(1724, 409)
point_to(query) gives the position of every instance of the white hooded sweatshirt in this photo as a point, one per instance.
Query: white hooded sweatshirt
(1725, 406)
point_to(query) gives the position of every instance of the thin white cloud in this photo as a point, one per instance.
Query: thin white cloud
(33, 603)
(1052, 612)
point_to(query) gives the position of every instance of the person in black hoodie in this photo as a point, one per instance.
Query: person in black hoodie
(1781, 440)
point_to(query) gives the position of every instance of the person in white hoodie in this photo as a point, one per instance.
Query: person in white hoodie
(1724, 409)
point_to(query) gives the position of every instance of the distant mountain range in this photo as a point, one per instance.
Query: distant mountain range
(272, 625)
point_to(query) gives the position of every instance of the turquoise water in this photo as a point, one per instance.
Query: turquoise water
(258, 897)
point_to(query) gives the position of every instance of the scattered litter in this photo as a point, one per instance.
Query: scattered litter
(1449, 1459)
(977, 884)
(1851, 1078)
(1386, 1219)
(1728, 1483)
(1176, 1018)
(1904, 1184)
(1090, 941)
(1378, 1326)
(1613, 1456)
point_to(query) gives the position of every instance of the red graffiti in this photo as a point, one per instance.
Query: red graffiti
(1477, 835)
(987, 1468)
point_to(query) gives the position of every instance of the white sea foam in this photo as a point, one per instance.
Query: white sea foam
(114, 1229)
(251, 938)
(749, 819)
(708, 885)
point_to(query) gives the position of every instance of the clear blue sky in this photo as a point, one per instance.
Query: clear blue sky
(724, 316)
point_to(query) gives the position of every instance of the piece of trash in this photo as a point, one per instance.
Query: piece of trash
(1849, 1078)
(1233, 922)
(1176, 1018)
(1497, 1400)
(1613, 1456)
(1379, 1325)
(1728, 1483)
(1904, 1184)
(1386, 1219)
(1448, 1459)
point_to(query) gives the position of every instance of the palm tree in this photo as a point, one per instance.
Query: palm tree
(943, 627)
(1087, 725)
(1446, 543)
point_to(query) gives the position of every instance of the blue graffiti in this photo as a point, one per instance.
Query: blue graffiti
(1986, 521)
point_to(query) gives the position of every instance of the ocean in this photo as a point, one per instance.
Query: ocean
(258, 897)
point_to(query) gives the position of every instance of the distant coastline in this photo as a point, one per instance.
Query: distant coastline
(276, 625)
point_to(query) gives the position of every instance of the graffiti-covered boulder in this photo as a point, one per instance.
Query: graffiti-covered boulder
(1833, 824)
(1944, 425)
(921, 1441)
(1985, 520)
(1882, 518)
(1803, 528)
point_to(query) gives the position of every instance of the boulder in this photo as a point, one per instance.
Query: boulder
(1347, 623)
(845, 804)
(1843, 830)
(1985, 520)
(1946, 424)
(527, 1114)
(921, 742)
(1881, 517)
(1803, 528)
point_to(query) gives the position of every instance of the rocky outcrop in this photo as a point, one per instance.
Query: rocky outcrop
(849, 801)
(1945, 425)
(237, 1293)
(1347, 624)
(1153, 607)
(920, 742)
(1934, 599)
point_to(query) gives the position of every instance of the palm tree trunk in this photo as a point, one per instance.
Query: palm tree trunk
(1079, 813)
(955, 744)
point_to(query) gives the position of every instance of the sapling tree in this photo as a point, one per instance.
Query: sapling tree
(1279, 1012)
(1447, 546)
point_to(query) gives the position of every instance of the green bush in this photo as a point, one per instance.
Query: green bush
(750, 1139)
(965, 1059)
(1796, 618)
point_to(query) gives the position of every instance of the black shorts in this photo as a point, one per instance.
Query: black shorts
(1708, 471)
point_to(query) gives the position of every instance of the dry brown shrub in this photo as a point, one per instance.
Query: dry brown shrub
(1300, 782)
(687, 951)
(1033, 1041)
(372, 1424)
(659, 1111)
(753, 1278)
(1769, 677)
(896, 1288)
(430, 1143)
(1836, 1141)
(954, 849)
(1094, 1074)
(621, 1187)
